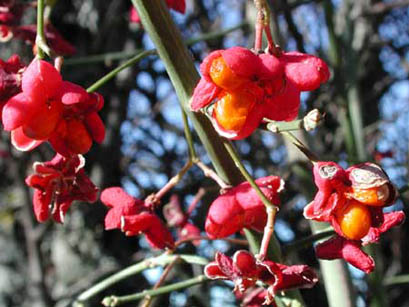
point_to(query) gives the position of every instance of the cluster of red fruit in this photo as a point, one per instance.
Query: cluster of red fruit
(239, 88)
(352, 200)
(38, 106)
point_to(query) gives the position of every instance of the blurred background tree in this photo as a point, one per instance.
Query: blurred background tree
(366, 103)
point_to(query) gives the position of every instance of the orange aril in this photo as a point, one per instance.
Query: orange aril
(354, 220)
(223, 76)
(373, 196)
(232, 109)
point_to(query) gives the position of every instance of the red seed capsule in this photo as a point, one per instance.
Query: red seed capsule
(223, 76)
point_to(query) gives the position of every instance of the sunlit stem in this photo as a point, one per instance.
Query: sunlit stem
(155, 198)
(113, 301)
(188, 136)
(58, 61)
(161, 260)
(268, 233)
(258, 40)
(208, 172)
(310, 121)
(40, 41)
(278, 127)
(195, 201)
(247, 176)
(272, 47)
(263, 24)
(396, 280)
(260, 24)
(147, 300)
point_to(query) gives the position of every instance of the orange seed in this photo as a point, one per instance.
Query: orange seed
(223, 76)
(354, 220)
(232, 109)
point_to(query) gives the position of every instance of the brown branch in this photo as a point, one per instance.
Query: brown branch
(147, 300)
(292, 26)
(384, 7)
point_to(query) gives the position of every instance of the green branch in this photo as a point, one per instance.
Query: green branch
(246, 174)
(113, 301)
(182, 72)
(396, 280)
(114, 72)
(189, 137)
(161, 260)
(40, 41)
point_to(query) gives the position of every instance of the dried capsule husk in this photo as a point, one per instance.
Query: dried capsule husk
(367, 176)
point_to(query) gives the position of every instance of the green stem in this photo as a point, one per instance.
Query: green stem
(40, 41)
(105, 57)
(113, 301)
(245, 173)
(182, 72)
(335, 272)
(355, 115)
(148, 299)
(161, 260)
(188, 136)
(122, 55)
(114, 72)
(278, 127)
(396, 280)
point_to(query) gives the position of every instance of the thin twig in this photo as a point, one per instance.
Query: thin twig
(268, 232)
(132, 270)
(155, 198)
(188, 136)
(208, 172)
(114, 72)
(195, 201)
(194, 238)
(247, 176)
(147, 300)
(40, 40)
(113, 301)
